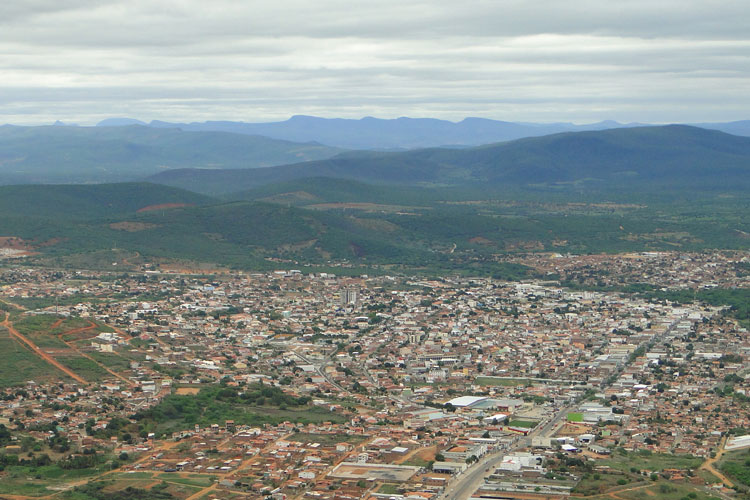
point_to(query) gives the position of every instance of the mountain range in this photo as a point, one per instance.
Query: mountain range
(67, 154)
(401, 133)
(669, 157)
(432, 210)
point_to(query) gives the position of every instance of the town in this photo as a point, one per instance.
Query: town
(590, 380)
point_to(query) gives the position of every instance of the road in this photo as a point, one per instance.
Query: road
(462, 487)
(36, 350)
(321, 370)
(709, 464)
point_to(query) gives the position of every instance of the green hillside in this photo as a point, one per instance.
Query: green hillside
(59, 154)
(314, 190)
(672, 157)
(86, 201)
(336, 221)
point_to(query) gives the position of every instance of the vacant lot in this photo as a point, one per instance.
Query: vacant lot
(506, 382)
(655, 462)
(327, 439)
(18, 364)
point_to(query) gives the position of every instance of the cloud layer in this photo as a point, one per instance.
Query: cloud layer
(580, 61)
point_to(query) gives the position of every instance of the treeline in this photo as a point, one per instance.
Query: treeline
(95, 491)
(738, 299)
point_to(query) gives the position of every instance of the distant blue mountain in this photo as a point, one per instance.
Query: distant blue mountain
(396, 134)
(119, 122)
(741, 127)
(403, 133)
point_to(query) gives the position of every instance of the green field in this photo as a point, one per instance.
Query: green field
(29, 324)
(655, 462)
(18, 364)
(667, 491)
(84, 367)
(112, 361)
(575, 417)
(40, 481)
(523, 423)
(201, 480)
(505, 382)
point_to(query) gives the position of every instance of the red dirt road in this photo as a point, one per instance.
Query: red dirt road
(46, 357)
(75, 348)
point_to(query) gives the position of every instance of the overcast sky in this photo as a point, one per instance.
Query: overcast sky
(528, 60)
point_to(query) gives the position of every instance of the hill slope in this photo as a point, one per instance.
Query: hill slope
(618, 159)
(91, 201)
(112, 154)
(435, 230)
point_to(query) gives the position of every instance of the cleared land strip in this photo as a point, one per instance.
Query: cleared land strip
(46, 357)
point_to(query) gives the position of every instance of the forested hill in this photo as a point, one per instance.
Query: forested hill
(673, 157)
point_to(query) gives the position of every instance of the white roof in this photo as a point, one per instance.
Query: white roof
(464, 401)
(498, 417)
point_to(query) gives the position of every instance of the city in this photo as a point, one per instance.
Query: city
(311, 385)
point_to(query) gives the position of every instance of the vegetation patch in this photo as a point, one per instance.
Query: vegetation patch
(99, 491)
(256, 404)
(645, 460)
(19, 365)
(736, 465)
(505, 382)
(84, 367)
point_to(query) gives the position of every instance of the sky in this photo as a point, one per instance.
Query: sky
(655, 61)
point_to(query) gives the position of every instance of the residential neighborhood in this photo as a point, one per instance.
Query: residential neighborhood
(292, 384)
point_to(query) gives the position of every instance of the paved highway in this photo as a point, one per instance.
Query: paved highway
(462, 487)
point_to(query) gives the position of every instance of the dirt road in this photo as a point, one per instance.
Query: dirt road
(709, 464)
(36, 350)
(75, 348)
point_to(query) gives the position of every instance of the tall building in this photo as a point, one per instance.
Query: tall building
(349, 296)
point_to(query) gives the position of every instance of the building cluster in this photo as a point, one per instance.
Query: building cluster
(422, 378)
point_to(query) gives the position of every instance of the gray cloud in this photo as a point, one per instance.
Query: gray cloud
(259, 60)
